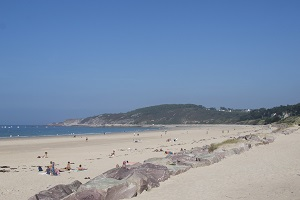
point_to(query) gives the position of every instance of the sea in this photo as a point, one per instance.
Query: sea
(12, 131)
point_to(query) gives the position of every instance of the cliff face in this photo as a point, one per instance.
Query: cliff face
(107, 119)
(99, 120)
(71, 122)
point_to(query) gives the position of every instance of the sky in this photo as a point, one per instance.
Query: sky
(64, 59)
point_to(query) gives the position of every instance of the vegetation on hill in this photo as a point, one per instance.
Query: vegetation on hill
(183, 114)
(278, 114)
(192, 114)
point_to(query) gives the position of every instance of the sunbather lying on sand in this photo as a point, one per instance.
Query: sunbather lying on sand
(80, 168)
(113, 153)
(168, 152)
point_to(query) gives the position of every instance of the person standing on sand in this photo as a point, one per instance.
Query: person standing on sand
(52, 169)
(86, 139)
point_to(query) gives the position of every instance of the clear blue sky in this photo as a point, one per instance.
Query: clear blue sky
(73, 59)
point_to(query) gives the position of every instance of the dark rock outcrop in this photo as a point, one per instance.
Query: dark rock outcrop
(173, 168)
(57, 192)
(120, 183)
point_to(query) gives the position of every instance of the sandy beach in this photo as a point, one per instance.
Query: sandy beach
(264, 172)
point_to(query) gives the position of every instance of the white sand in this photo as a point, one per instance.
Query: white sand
(265, 172)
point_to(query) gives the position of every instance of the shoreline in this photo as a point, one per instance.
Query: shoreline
(154, 128)
(146, 128)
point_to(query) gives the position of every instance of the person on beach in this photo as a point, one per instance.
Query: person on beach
(46, 155)
(80, 168)
(168, 152)
(40, 168)
(48, 170)
(86, 139)
(124, 164)
(53, 171)
(50, 166)
(57, 172)
(113, 153)
(68, 167)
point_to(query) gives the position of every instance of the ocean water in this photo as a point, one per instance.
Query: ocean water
(7, 131)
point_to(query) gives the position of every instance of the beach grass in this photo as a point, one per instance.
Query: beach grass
(215, 146)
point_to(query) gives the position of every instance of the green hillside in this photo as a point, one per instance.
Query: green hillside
(281, 114)
(183, 114)
(192, 114)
